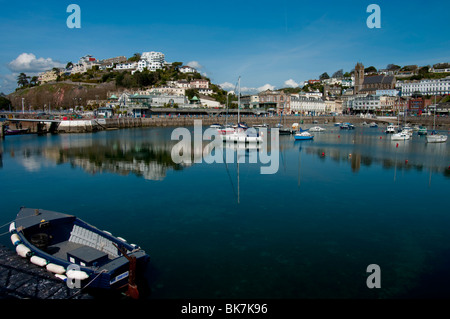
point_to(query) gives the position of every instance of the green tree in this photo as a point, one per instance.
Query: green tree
(370, 69)
(393, 67)
(22, 80)
(4, 102)
(119, 79)
(135, 58)
(339, 74)
(324, 76)
(34, 81)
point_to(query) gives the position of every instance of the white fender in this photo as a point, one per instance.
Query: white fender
(77, 274)
(122, 239)
(57, 269)
(62, 277)
(41, 262)
(23, 251)
(12, 227)
(15, 239)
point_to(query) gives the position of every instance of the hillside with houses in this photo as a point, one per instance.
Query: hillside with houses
(133, 86)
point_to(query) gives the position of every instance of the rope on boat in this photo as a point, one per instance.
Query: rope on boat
(79, 291)
(16, 219)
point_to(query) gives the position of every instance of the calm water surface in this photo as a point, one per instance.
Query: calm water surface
(337, 204)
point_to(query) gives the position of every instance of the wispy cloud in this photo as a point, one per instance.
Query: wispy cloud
(195, 65)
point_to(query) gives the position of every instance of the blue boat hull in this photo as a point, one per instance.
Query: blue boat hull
(110, 273)
(302, 138)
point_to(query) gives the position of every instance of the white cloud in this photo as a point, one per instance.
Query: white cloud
(194, 64)
(227, 86)
(244, 89)
(265, 87)
(27, 62)
(8, 82)
(291, 83)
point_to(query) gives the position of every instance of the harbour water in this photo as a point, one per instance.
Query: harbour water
(345, 200)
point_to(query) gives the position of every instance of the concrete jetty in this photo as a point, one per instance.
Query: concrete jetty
(20, 279)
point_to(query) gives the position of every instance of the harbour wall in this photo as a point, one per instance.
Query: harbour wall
(94, 125)
(441, 123)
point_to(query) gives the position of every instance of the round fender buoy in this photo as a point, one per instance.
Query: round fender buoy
(57, 269)
(23, 251)
(41, 262)
(406, 161)
(15, 239)
(77, 274)
(396, 145)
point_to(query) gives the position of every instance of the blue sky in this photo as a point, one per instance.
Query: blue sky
(265, 42)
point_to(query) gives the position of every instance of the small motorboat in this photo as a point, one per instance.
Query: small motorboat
(422, 130)
(242, 137)
(303, 136)
(347, 126)
(317, 129)
(391, 129)
(215, 125)
(261, 125)
(284, 131)
(403, 135)
(75, 250)
(373, 124)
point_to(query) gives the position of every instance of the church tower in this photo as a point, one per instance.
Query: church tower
(359, 77)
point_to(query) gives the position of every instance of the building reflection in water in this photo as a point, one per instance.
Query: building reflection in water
(147, 152)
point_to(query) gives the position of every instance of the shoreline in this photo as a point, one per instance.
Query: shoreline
(100, 124)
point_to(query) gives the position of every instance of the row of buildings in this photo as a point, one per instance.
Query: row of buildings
(151, 61)
(379, 93)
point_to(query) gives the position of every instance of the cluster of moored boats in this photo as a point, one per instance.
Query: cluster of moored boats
(406, 133)
(241, 132)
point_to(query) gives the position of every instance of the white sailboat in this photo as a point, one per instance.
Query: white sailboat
(433, 137)
(240, 133)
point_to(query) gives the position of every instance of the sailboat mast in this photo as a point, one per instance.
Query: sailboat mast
(239, 99)
(226, 117)
(434, 118)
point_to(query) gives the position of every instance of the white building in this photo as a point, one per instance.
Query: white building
(126, 66)
(426, 87)
(314, 94)
(372, 104)
(209, 102)
(388, 92)
(167, 90)
(187, 69)
(47, 76)
(151, 60)
(307, 105)
(199, 84)
(85, 63)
